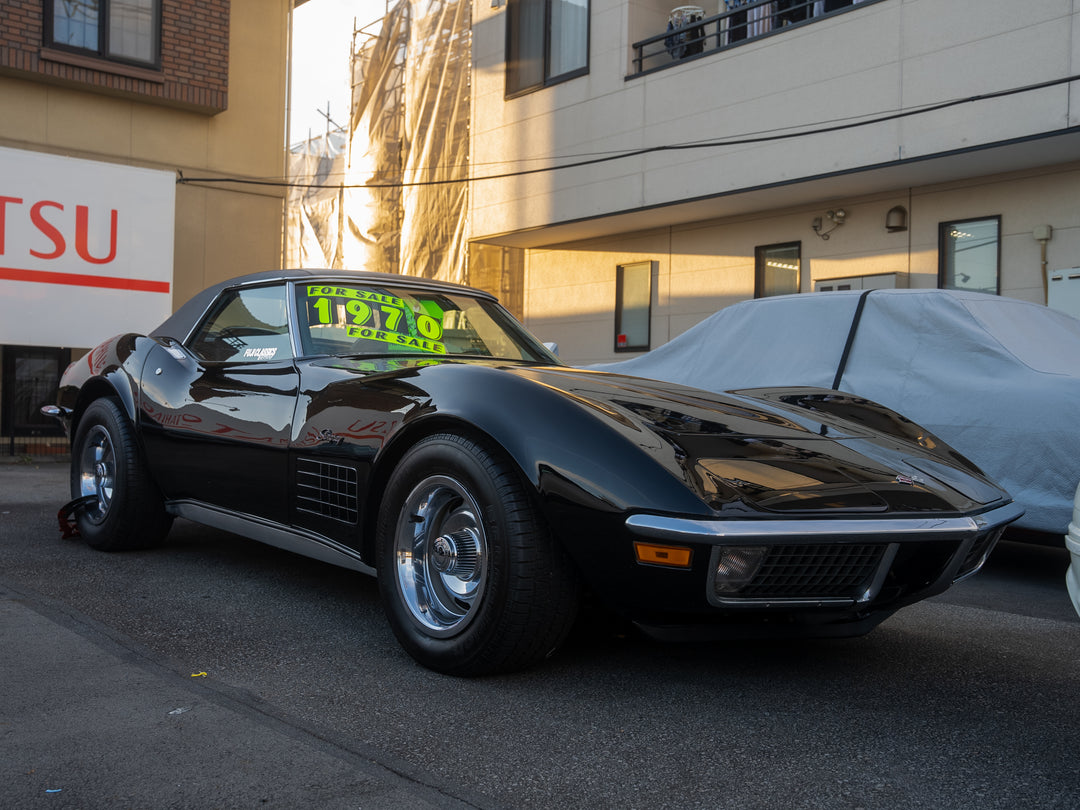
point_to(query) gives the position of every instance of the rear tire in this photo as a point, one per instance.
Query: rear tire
(106, 462)
(471, 580)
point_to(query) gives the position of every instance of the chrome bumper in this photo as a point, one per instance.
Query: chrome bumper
(840, 530)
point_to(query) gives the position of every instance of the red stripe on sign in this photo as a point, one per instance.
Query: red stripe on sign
(80, 280)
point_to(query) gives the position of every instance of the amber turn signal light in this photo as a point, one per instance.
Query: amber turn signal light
(672, 556)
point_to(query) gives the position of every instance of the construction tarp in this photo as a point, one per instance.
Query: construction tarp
(394, 196)
(316, 218)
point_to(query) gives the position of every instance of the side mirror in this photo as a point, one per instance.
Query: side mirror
(552, 347)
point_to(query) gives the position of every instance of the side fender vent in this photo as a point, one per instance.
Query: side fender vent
(326, 489)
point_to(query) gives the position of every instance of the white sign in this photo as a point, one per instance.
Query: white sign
(86, 249)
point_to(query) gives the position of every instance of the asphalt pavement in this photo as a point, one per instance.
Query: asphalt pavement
(90, 718)
(969, 700)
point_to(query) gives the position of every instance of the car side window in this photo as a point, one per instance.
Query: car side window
(246, 326)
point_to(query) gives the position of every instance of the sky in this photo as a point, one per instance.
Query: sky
(322, 36)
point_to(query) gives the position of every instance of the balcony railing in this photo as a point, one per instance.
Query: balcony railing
(691, 35)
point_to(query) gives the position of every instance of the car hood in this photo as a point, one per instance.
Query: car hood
(996, 377)
(781, 450)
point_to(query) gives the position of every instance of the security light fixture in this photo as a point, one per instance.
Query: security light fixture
(837, 217)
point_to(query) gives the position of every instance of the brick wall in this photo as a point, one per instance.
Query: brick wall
(194, 70)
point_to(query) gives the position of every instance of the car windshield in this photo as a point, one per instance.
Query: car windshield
(362, 319)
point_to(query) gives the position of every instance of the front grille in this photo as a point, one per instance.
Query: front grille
(833, 571)
(980, 549)
(326, 489)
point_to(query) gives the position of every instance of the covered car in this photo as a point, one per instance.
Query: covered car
(996, 378)
(415, 430)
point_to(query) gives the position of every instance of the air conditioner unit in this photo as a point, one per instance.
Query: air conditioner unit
(876, 281)
(1063, 290)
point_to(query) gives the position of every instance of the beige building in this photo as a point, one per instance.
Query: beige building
(103, 108)
(770, 147)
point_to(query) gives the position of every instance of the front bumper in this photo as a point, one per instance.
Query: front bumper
(850, 565)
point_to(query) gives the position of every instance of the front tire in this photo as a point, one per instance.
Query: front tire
(107, 462)
(470, 578)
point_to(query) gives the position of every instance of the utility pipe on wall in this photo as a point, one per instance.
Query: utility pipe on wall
(1043, 234)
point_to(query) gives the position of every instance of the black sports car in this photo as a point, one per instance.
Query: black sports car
(414, 429)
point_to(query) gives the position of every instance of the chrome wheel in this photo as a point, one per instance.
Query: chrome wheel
(440, 555)
(97, 471)
(119, 508)
(469, 592)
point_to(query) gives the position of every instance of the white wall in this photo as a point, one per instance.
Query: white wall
(704, 266)
(883, 57)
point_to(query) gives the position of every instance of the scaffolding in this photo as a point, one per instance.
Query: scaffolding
(390, 191)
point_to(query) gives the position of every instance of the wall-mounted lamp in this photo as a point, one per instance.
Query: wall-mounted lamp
(896, 219)
(837, 217)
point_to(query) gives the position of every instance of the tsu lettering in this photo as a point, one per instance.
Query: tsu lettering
(50, 219)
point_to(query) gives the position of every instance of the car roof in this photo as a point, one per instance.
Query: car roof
(181, 322)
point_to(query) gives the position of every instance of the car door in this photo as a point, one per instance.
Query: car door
(216, 410)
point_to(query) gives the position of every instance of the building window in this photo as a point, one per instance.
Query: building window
(547, 41)
(969, 255)
(633, 306)
(777, 269)
(121, 30)
(30, 377)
